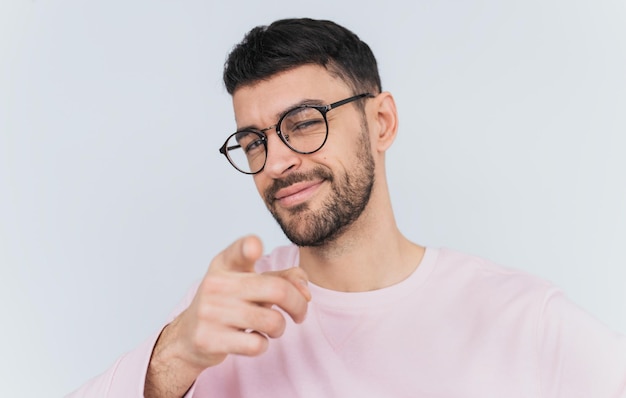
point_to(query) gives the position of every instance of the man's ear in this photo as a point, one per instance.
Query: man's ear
(385, 121)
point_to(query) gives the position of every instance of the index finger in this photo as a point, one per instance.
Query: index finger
(267, 289)
(297, 277)
(239, 256)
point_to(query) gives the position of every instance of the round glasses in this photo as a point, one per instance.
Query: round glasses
(304, 129)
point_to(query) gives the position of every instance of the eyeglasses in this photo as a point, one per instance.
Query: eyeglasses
(304, 129)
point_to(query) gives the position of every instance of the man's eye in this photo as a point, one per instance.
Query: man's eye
(307, 124)
(254, 145)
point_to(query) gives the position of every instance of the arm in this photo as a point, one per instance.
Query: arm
(231, 313)
(578, 355)
(123, 379)
(228, 301)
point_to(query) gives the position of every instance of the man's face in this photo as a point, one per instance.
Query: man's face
(314, 197)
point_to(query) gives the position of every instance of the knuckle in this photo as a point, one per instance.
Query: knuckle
(199, 342)
(214, 284)
(255, 344)
(275, 323)
(268, 321)
(277, 289)
(248, 284)
(296, 272)
(205, 312)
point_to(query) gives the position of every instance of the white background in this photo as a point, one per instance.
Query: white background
(114, 198)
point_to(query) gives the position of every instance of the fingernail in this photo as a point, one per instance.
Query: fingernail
(246, 249)
(305, 284)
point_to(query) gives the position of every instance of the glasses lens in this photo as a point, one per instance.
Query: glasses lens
(304, 129)
(246, 151)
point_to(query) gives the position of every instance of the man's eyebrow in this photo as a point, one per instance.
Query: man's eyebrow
(308, 101)
(277, 116)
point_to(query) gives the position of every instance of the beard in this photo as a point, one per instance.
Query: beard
(349, 196)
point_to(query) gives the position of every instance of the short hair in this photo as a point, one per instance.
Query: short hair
(289, 43)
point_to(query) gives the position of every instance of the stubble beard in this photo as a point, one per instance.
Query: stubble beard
(350, 194)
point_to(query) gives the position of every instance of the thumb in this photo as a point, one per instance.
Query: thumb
(297, 277)
(239, 256)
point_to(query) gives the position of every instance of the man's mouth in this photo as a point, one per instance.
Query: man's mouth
(296, 188)
(297, 193)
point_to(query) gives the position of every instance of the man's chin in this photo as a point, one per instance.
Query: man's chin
(298, 230)
(288, 214)
(305, 241)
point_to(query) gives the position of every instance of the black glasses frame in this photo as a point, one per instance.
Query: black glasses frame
(323, 109)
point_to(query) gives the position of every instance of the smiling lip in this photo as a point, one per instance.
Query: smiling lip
(297, 193)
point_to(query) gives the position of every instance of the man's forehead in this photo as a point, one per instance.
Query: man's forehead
(272, 96)
(302, 78)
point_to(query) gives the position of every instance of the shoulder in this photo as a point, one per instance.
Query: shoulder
(280, 258)
(475, 277)
(482, 269)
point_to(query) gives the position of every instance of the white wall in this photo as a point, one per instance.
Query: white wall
(114, 198)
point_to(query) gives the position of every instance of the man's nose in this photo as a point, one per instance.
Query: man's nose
(280, 158)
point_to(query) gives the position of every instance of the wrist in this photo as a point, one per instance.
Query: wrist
(169, 374)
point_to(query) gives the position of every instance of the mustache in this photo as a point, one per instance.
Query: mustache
(314, 174)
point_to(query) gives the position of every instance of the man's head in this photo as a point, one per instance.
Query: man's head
(298, 64)
(288, 43)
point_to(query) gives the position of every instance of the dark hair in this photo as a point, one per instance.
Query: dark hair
(289, 43)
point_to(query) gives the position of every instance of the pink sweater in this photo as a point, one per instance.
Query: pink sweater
(459, 326)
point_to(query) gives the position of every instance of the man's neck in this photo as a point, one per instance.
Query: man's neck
(371, 254)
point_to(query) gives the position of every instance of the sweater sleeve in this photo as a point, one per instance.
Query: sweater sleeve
(578, 355)
(127, 376)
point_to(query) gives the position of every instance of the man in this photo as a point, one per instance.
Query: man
(353, 308)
